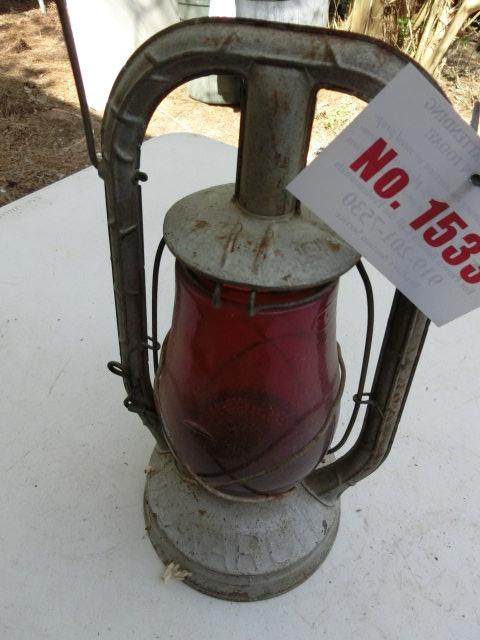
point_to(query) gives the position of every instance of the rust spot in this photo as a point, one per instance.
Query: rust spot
(313, 51)
(200, 224)
(263, 247)
(280, 160)
(231, 244)
(329, 54)
(334, 246)
(264, 243)
(281, 104)
(229, 39)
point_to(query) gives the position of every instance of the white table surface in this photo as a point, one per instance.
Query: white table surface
(75, 562)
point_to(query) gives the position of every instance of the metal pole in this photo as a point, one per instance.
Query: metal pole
(276, 133)
(77, 75)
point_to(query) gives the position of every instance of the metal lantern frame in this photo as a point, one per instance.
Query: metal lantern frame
(356, 65)
(282, 69)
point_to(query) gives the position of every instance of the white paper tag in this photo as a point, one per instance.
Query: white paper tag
(395, 184)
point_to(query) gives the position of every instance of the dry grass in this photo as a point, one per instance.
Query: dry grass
(40, 125)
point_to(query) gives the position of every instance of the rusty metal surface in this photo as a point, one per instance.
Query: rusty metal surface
(278, 116)
(210, 233)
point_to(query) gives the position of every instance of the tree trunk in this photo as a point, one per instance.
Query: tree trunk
(434, 31)
(426, 29)
(359, 16)
(421, 15)
(375, 25)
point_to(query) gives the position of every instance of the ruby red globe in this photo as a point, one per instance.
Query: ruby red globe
(242, 390)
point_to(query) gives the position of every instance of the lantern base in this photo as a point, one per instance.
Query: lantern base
(233, 550)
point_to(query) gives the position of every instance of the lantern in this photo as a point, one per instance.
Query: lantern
(242, 493)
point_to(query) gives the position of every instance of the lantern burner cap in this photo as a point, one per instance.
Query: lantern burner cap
(210, 233)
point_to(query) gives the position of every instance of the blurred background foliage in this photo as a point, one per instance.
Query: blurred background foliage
(425, 29)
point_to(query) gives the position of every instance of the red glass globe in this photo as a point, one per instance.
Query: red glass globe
(239, 394)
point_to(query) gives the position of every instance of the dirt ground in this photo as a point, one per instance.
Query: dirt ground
(40, 125)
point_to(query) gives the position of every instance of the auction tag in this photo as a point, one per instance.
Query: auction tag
(395, 184)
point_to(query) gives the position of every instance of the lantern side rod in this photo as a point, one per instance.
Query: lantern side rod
(402, 346)
(404, 338)
(77, 76)
(475, 121)
(475, 124)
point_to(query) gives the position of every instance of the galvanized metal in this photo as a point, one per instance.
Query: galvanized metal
(276, 133)
(209, 89)
(232, 550)
(210, 233)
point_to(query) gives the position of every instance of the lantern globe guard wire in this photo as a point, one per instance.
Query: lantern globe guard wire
(358, 397)
(156, 268)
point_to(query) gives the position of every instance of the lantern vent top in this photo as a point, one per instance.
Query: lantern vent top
(212, 234)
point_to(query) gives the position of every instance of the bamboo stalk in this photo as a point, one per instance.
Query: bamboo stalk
(411, 43)
(375, 19)
(443, 17)
(466, 8)
(359, 16)
(426, 31)
(421, 15)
